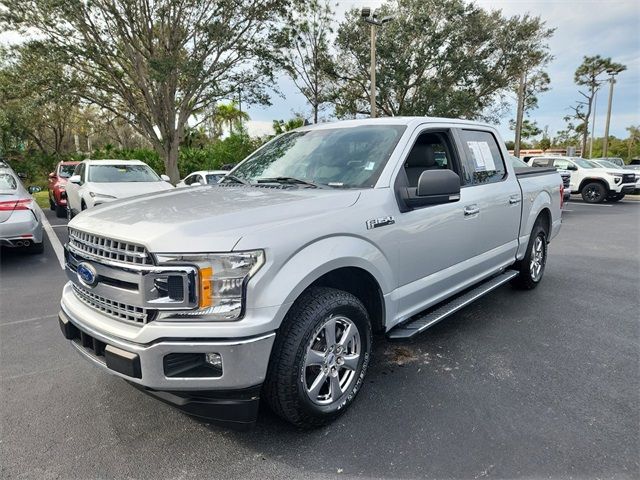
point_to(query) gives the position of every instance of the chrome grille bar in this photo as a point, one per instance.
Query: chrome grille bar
(109, 249)
(117, 310)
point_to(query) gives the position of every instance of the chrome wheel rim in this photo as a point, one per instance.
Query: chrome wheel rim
(331, 360)
(537, 258)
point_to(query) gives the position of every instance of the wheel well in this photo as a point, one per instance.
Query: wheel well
(361, 284)
(593, 180)
(545, 217)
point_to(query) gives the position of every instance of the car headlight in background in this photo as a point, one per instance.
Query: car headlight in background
(222, 280)
(101, 196)
(617, 177)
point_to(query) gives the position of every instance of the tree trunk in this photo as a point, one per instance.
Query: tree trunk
(519, 114)
(170, 152)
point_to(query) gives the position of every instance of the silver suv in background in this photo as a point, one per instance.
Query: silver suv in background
(271, 283)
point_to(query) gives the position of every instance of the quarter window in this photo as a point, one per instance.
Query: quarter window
(483, 157)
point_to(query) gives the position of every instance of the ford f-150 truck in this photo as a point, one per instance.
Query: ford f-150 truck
(271, 283)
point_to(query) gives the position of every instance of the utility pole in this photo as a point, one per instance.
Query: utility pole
(593, 123)
(605, 145)
(519, 114)
(372, 18)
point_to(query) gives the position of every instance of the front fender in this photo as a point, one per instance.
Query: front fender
(283, 282)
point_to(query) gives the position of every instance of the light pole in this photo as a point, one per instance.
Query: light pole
(612, 73)
(371, 17)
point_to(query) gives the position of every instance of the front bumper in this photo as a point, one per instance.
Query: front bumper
(624, 188)
(231, 397)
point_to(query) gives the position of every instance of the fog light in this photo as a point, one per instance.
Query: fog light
(213, 359)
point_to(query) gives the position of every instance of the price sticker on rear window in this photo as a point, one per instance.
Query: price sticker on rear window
(482, 157)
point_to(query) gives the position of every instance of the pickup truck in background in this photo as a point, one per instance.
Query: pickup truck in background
(594, 183)
(272, 282)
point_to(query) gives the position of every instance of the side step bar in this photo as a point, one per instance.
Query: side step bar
(420, 322)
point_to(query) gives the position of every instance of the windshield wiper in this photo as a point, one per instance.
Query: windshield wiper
(234, 179)
(290, 181)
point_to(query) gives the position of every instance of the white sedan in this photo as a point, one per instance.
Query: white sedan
(202, 177)
(99, 181)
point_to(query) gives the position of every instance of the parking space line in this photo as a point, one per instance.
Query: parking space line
(26, 320)
(55, 241)
(590, 205)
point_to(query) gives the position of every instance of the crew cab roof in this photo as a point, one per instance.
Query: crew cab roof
(408, 121)
(113, 162)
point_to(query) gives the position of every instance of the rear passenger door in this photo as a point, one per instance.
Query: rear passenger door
(493, 195)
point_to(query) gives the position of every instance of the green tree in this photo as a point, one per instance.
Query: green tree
(305, 52)
(443, 58)
(633, 141)
(589, 76)
(156, 63)
(280, 126)
(228, 114)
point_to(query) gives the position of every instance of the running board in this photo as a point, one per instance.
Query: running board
(420, 322)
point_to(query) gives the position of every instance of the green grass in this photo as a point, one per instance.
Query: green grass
(42, 199)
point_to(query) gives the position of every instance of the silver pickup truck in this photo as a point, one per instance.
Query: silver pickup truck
(271, 283)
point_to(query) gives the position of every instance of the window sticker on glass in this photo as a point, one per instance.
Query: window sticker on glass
(370, 166)
(482, 156)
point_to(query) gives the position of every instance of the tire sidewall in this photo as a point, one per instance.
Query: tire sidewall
(603, 192)
(538, 231)
(359, 318)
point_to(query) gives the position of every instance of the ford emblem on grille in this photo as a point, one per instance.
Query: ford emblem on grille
(87, 274)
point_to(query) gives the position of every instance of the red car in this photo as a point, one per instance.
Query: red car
(57, 187)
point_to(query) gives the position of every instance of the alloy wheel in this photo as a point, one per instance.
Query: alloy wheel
(538, 258)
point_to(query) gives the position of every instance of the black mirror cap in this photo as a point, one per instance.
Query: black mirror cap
(34, 189)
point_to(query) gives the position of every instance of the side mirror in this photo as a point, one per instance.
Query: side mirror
(52, 175)
(22, 175)
(434, 187)
(165, 178)
(75, 179)
(34, 189)
(572, 168)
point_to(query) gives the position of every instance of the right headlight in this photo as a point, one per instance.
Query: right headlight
(221, 283)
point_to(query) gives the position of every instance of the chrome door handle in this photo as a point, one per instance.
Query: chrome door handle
(514, 200)
(471, 210)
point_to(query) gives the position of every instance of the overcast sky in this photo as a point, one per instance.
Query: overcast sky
(610, 28)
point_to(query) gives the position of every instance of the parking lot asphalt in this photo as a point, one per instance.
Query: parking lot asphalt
(539, 384)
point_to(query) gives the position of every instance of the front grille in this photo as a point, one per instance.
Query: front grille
(117, 310)
(109, 249)
(628, 178)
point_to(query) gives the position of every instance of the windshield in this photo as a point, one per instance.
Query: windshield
(122, 173)
(214, 178)
(65, 171)
(584, 163)
(606, 164)
(338, 157)
(7, 182)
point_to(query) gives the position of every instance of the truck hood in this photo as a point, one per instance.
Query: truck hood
(208, 218)
(129, 189)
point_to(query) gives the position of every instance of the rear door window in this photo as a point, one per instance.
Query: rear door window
(483, 157)
(8, 182)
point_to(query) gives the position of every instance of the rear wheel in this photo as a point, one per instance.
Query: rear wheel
(320, 357)
(52, 204)
(594, 192)
(61, 211)
(615, 197)
(531, 267)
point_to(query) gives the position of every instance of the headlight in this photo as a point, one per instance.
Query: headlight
(100, 195)
(222, 281)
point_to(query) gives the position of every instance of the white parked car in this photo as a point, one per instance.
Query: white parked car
(595, 184)
(99, 181)
(202, 177)
(608, 164)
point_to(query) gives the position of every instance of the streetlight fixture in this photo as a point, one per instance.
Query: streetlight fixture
(371, 17)
(612, 73)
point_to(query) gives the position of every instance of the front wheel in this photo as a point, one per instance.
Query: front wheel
(319, 358)
(531, 267)
(594, 192)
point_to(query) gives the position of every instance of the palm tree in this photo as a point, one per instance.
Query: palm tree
(634, 138)
(228, 114)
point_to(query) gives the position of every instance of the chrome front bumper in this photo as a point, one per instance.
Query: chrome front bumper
(244, 360)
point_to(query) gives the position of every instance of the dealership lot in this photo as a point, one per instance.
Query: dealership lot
(519, 384)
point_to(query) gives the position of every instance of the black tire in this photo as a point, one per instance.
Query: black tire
(61, 211)
(286, 387)
(36, 248)
(615, 197)
(83, 206)
(52, 204)
(526, 280)
(594, 192)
